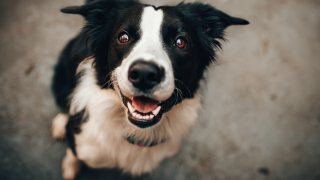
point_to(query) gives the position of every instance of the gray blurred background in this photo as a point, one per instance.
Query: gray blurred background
(261, 109)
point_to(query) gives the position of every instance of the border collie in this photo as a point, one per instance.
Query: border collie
(128, 84)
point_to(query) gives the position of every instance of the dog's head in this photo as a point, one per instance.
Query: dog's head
(153, 56)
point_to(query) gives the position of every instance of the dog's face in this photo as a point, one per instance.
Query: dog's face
(154, 57)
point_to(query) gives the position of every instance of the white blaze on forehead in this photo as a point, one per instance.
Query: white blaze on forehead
(151, 21)
(148, 48)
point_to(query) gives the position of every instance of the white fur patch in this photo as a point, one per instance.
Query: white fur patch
(86, 86)
(101, 143)
(149, 48)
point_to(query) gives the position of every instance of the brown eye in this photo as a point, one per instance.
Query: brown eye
(181, 43)
(124, 38)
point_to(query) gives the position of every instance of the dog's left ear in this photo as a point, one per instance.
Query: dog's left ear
(209, 24)
(209, 18)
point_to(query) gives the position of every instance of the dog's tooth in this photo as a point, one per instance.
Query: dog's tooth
(156, 111)
(151, 116)
(131, 109)
(144, 117)
(148, 117)
(134, 114)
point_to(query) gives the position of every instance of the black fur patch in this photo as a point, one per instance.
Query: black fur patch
(64, 79)
(74, 127)
(118, 17)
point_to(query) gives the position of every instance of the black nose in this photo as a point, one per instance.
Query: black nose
(145, 75)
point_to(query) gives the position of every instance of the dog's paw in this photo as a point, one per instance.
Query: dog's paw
(70, 166)
(59, 123)
(68, 174)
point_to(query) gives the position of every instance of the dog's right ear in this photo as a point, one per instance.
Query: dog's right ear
(82, 10)
(97, 7)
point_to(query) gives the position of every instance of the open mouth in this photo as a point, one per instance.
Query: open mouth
(143, 108)
(143, 111)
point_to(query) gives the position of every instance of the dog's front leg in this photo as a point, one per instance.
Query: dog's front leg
(70, 165)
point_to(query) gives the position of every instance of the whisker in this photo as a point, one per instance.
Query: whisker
(179, 92)
(107, 83)
(176, 96)
(184, 86)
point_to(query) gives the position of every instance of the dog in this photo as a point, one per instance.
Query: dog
(128, 84)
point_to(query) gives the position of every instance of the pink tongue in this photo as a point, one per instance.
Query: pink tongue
(144, 105)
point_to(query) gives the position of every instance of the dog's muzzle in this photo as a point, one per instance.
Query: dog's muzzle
(143, 108)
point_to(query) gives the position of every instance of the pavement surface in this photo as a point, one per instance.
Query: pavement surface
(261, 107)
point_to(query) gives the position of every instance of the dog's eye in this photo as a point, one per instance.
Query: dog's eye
(124, 38)
(181, 43)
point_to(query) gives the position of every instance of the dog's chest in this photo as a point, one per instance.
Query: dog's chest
(101, 142)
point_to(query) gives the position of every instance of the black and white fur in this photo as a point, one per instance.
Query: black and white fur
(92, 87)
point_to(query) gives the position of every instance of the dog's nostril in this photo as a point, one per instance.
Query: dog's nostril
(134, 75)
(145, 75)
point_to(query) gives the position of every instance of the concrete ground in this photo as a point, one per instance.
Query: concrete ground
(261, 109)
